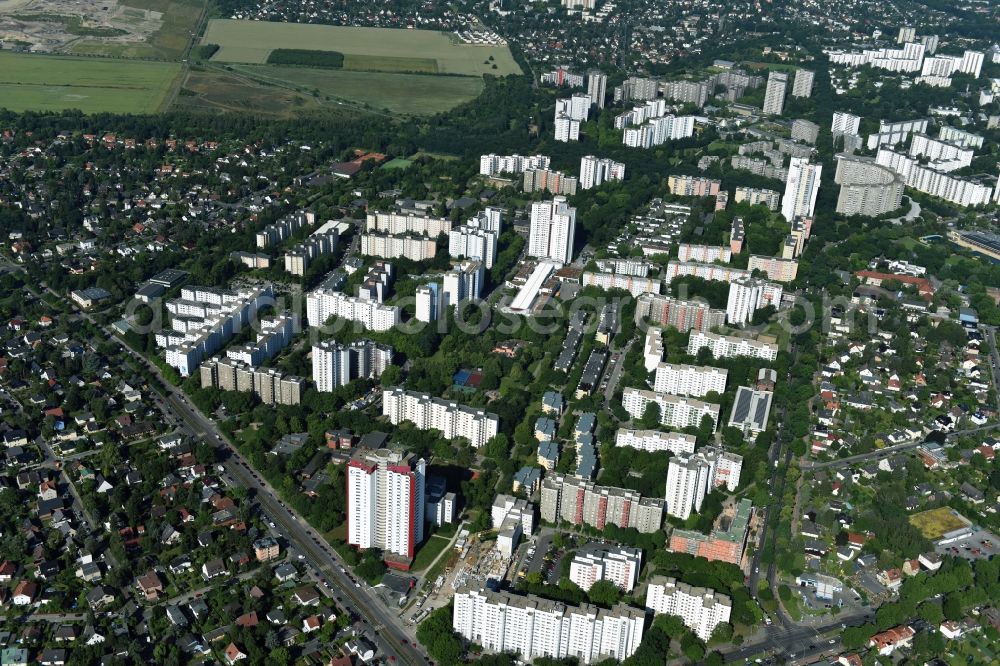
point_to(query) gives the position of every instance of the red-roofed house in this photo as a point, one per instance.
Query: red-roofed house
(887, 641)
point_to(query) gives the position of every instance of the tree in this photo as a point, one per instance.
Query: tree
(391, 376)
(650, 416)
(435, 633)
(604, 593)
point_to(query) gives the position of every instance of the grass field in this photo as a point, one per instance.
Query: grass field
(429, 551)
(180, 18)
(397, 163)
(934, 523)
(398, 93)
(370, 49)
(224, 91)
(53, 83)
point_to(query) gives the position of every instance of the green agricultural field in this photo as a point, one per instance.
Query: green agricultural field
(54, 83)
(363, 48)
(413, 94)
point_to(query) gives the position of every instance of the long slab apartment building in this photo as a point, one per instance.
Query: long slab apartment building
(683, 315)
(272, 386)
(581, 502)
(675, 411)
(204, 319)
(656, 440)
(534, 627)
(395, 234)
(429, 413)
(321, 304)
(728, 346)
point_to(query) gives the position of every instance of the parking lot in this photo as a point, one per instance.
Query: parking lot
(981, 544)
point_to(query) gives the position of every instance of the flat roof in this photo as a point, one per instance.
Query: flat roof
(526, 296)
(169, 277)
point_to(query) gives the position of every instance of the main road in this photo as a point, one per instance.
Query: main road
(387, 630)
(352, 594)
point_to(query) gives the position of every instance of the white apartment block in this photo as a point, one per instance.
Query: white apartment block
(910, 58)
(553, 225)
(652, 350)
(204, 319)
(464, 282)
(658, 131)
(595, 172)
(274, 335)
(322, 304)
(385, 502)
(687, 92)
(473, 243)
(567, 129)
(891, 133)
(430, 413)
(492, 165)
(655, 440)
(774, 93)
(335, 364)
(803, 84)
(943, 156)
(428, 302)
(617, 564)
(689, 380)
(675, 411)
(712, 272)
(776, 268)
(282, 230)
(704, 253)
(746, 296)
(406, 223)
(754, 196)
(414, 248)
(801, 188)
(512, 517)
(597, 87)
(727, 346)
(297, 259)
(925, 179)
(533, 627)
(505, 506)
(691, 476)
(960, 137)
(970, 62)
(626, 266)
(845, 123)
(576, 107)
(702, 609)
(633, 285)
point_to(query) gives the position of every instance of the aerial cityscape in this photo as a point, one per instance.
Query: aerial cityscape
(554, 332)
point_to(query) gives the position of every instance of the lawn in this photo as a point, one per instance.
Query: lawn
(397, 163)
(230, 92)
(934, 523)
(414, 94)
(54, 83)
(429, 552)
(368, 48)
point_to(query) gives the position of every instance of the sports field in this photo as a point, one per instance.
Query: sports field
(54, 83)
(412, 94)
(364, 49)
(935, 523)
